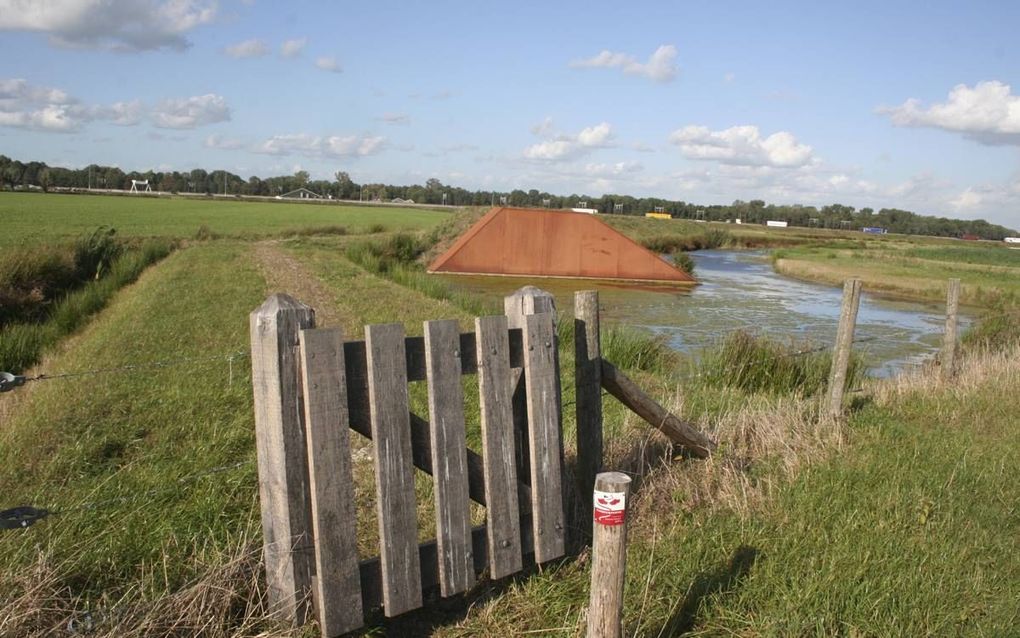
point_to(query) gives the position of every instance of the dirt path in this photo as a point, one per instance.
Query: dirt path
(284, 273)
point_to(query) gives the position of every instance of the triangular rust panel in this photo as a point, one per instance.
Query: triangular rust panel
(549, 243)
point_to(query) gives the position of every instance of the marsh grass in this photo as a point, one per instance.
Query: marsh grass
(756, 364)
(23, 344)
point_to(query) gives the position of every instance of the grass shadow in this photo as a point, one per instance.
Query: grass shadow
(723, 579)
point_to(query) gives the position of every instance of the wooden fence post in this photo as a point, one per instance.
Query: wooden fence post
(609, 555)
(948, 358)
(527, 300)
(588, 392)
(844, 345)
(282, 461)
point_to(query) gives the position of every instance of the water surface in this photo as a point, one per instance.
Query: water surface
(740, 291)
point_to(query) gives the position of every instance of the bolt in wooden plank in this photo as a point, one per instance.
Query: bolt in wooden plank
(542, 385)
(449, 448)
(282, 462)
(494, 386)
(337, 587)
(394, 471)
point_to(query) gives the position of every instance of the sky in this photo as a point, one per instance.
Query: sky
(912, 105)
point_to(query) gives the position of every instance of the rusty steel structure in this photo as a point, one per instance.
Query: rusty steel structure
(552, 243)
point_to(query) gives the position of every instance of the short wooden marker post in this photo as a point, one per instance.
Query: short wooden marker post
(609, 555)
(844, 345)
(948, 358)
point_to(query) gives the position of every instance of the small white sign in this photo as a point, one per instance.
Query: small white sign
(610, 507)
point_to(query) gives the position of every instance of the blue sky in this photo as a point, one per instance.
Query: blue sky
(892, 104)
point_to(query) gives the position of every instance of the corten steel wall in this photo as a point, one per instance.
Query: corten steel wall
(549, 243)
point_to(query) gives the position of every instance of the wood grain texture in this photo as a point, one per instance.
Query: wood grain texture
(608, 564)
(844, 345)
(281, 447)
(588, 392)
(544, 425)
(502, 512)
(337, 586)
(394, 469)
(449, 448)
(949, 337)
(358, 404)
(679, 432)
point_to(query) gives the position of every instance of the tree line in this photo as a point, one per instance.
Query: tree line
(19, 175)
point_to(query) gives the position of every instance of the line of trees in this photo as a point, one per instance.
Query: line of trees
(18, 175)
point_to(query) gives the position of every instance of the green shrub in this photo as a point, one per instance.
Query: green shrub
(684, 262)
(716, 238)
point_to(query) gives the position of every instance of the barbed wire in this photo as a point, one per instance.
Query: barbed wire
(26, 515)
(9, 381)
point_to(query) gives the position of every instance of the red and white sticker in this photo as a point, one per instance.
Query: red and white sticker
(610, 507)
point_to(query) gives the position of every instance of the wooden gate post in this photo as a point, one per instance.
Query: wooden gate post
(281, 446)
(527, 300)
(948, 358)
(609, 555)
(844, 344)
(588, 392)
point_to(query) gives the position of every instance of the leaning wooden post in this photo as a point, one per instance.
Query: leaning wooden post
(949, 338)
(588, 391)
(281, 447)
(844, 345)
(609, 555)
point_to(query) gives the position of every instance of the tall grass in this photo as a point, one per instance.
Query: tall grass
(756, 364)
(23, 344)
(395, 258)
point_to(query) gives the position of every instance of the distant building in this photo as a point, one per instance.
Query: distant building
(397, 200)
(1012, 240)
(589, 211)
(774, 224)
(301, 193)
(659, 215)
(874, 230)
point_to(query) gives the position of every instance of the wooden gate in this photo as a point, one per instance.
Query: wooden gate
(311, 387)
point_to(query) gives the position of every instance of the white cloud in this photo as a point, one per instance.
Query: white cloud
(293, 48)
(968, 200)
(615, 169)
(223, 143)
(191, 112)
(544, 127)
(988, 113)
(23, 105)
(327, 63)
(317, 146)
(395, 118)
(743, 145)
(569, 146)
(660, 67)
(127, 25)
(248, 49)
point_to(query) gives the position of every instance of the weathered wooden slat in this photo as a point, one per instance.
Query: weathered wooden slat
(678, 431)
(588, 394)
(502, 513)
(415, 348)
(446, 415)
(282, 464)
(542, 383)
(394, 471)
(337, 586)
(371, 574)
(357, 403)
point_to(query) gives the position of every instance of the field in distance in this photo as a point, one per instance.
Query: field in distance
(34, 218)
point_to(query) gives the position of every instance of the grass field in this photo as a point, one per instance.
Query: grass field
(990, 273)
(49, 218)
(902, 523)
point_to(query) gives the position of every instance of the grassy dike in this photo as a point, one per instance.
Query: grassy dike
(793, 528)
